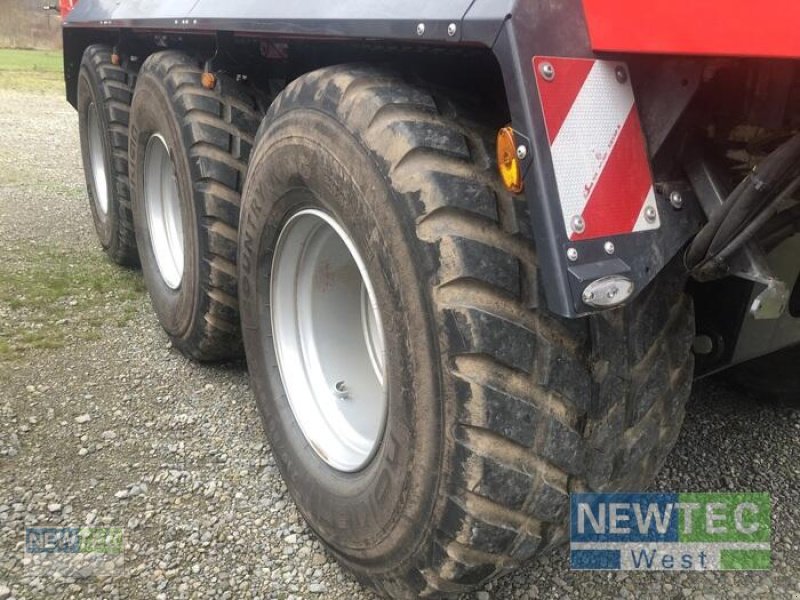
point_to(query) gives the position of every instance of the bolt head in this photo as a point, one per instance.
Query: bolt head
(547, 71)
(522, 152)
(622, 74)
(578, 224)
(421, 29)
(588, 295)
(572, 254)
(650, 214)
(676, 200)
(451, 29)
(609, 247)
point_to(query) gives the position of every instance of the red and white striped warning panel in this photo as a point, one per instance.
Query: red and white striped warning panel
(598, 148)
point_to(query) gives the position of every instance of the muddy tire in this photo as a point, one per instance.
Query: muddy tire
(186, 222)
(496, 410)
(105, 91)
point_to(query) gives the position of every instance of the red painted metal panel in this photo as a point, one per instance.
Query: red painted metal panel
(697, 27)
(66, 6)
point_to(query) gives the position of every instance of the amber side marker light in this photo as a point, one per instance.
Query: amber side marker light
(208, 80)
(507, 161)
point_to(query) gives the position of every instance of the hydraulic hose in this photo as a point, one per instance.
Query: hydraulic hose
(759, 192)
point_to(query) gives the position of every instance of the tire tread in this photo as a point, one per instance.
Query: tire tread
(116, 86)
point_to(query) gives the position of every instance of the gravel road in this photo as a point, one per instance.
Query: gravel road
(102, 423)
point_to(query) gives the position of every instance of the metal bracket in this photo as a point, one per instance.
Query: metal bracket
(749, 263)
(772, 301)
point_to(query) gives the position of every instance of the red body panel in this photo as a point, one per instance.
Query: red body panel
(66, 6)
(697, 27)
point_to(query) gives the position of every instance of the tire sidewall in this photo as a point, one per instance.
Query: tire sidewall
(90, 92)
(377, 514)
(152, 113)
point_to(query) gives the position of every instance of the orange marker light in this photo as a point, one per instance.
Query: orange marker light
(507, 161)
(208, 80)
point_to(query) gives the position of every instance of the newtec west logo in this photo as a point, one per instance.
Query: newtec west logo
(73, 540)
(670, 532)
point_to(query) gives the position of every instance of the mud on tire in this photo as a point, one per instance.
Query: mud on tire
(209, 134)
(497, 409)
(105, 91)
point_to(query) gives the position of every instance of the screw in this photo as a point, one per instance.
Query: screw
(572, 254)
(622, 74)
(451, 29)
(522, 152)
(578, 224)
(548, 71)
(609, 247)
(650, 214)
(421, 29)
(676, 200)
(588, 296)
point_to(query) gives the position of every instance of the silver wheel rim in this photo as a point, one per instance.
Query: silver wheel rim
(163, 209)
(328, 337)
(97, 160)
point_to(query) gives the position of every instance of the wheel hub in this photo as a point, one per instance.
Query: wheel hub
(163, 209)
(97, 160)
(328, 338)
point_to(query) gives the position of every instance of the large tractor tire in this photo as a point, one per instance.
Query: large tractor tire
(189, 148)
(429, 416)
(104, 103)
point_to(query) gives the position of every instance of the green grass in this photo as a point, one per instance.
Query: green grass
(50, 299)
(45, 61)
(39, 71)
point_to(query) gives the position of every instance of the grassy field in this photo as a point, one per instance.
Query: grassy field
(56, 289)
(39, 71)
(56, 297)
